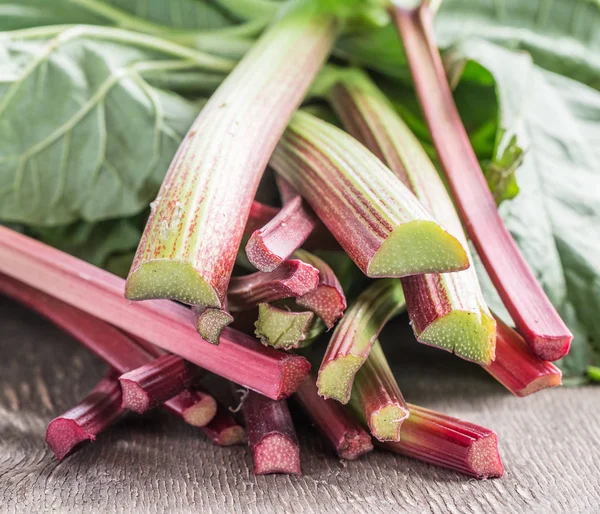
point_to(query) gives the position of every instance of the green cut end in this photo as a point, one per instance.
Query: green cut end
(336, 377)
(468, 335)
(418, 247)
(386, 422)
(211, 323)
(172, 280)
(281, 328)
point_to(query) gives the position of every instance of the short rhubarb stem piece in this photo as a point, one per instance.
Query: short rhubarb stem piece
(165, 324)
(533, 313)
(223, 429)
(327, 300)
(282, 329)
(271, 435)
(210, 322)
(446, 310)
(292, 279)
(378, 397)
(189, 246)
(195, 407)
(354, 336)
(517, 368)
(375, 218)
(449, 442)
(341, 430)
(152, 384)
(96, 412)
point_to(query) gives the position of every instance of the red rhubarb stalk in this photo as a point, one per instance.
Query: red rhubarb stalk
(517, 368)
(189, 246)
(195, 407)
(165, 324)
(446, 310)
(156, 382)
(327, 300)
(343, 432)
(96, 412)
(223, 429)
(535, 317)
(292, 279)
(260, 215)
(378, 396)
(449, 442)
(271, 435)
(354, 336)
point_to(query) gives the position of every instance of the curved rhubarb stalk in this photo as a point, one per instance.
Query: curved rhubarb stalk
(354, 336)
(517, 368)
(292, 279)
(188, 249)
(379, 223)
(165, 324)
(343, 432)
(449, 442)
(446, 310)
(96, 412)
(534, 315)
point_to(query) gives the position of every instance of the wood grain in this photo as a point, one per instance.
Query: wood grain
(550, 444)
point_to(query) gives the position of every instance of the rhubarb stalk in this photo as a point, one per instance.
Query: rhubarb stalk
(189, 246)
(281, 328)
(96, 412)
(375, 218)
(271, 435)
(446, 310)
(354, 336)
(195, 407)
(210, 322)
(535, 317)
(449, 442)
(343, 432)
(517, 368)
(165, 324)
(223, 429)
(379, 398)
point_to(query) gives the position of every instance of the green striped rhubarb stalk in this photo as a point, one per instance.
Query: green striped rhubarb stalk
(189, 245)
(533, 313)
(376, 397)
(446, 310)
(354, 336)
(375, 218)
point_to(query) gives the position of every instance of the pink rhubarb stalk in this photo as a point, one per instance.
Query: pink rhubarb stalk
(517, 368)
(292, 279)
(195, 407)
(534, 315)
(96, 412)
(210, 322)
(375, 218)
(446, 310)
(189, 246)
(223, 429)
(449, 442)
(165, 324)
(260, 215)
(354, 336)
(271, 435)
(343, 432)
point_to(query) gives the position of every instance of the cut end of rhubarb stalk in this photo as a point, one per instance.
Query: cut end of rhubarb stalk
(484, 459)
(354, 445)
(550, 348)
(277, 453)
(232, 436)
(260, 255)
(336, 377)
(294, 370)
(166, 279)
(418, 247)
(134, 397)
(326, 301)
(385, 423)
(202, 412)
(280, 328)
(465, 334)
(63, 435)
(210, 323)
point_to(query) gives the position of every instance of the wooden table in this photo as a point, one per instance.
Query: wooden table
(550, 444)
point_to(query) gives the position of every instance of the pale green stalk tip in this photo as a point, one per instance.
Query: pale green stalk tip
(336, 378)
(211, 323)
(386, 422)
(280, 328)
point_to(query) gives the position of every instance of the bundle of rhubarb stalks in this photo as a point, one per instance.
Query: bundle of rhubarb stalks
(364, 229)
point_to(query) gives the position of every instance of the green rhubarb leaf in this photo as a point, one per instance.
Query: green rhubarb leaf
(83, 136)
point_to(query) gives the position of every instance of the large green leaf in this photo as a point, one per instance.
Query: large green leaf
(83, 136)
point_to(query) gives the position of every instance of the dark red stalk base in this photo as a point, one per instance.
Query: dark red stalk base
(534, 315)
(271, 435)
(154, 383)
(343, 432)
(96, 412)
(517, 368)
(292, 279)
(449, 442)
(223, 429)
